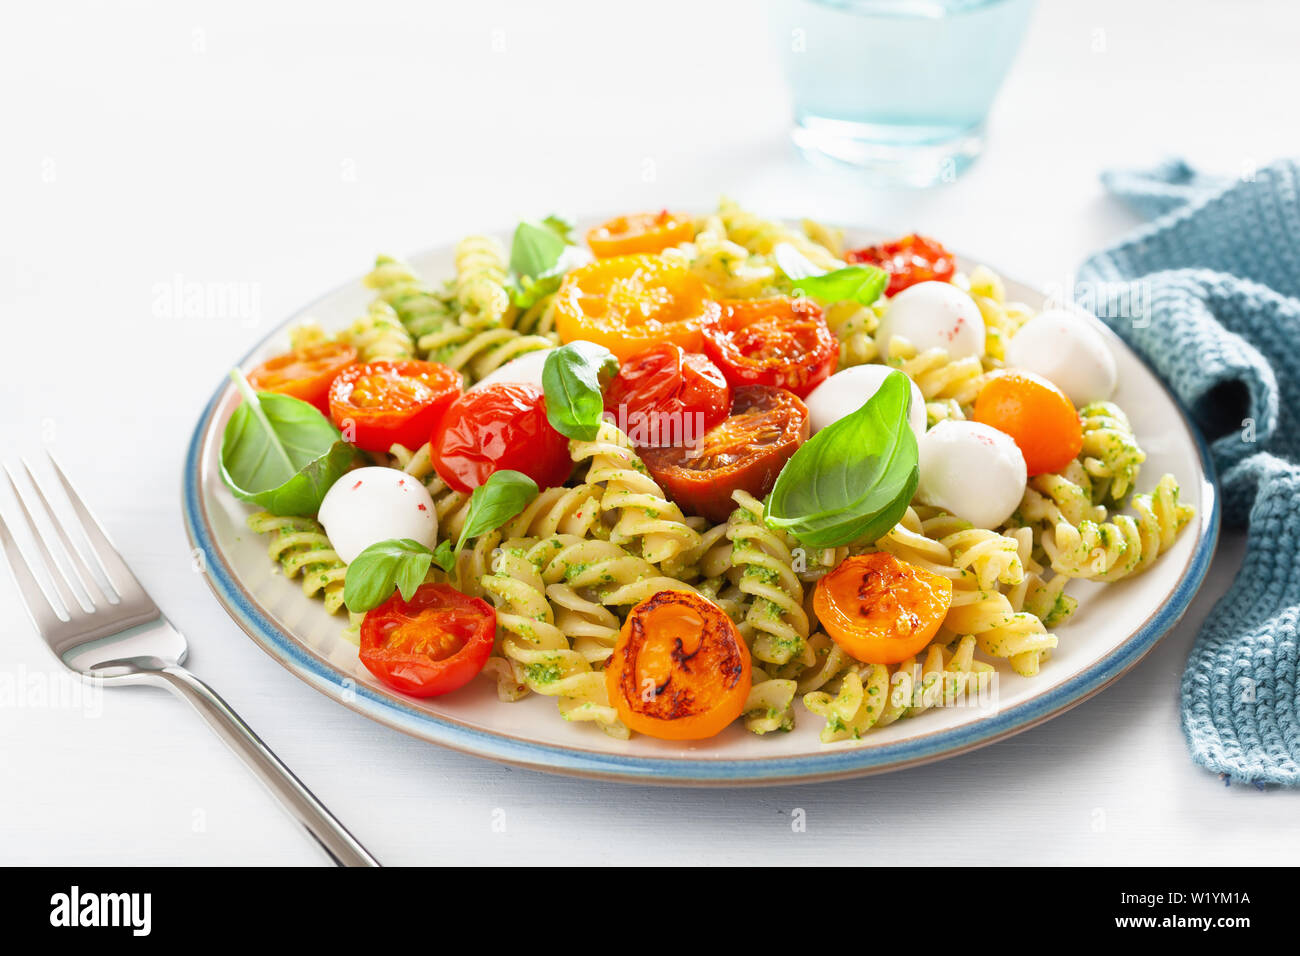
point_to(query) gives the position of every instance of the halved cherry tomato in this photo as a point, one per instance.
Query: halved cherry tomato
(496, 428)
(908, 260)
(640, 232)
(747, 450)
(879, 609)
(1035, 413)
(778, 341)
(431, 644)
(665, 396)
(381, 404)
(304, 373)
(629, 303)
(680, 670)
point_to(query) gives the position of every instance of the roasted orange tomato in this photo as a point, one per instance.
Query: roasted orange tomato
(629, 303)
(1036, 414)
(879, 609)
(680, 670)
(304, 373)
(640, 232)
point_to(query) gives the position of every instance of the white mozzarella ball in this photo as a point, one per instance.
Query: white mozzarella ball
(972, 471)
(370, 505)
(1065, 349)
(525, 370)
(934, 315)
(846, 391)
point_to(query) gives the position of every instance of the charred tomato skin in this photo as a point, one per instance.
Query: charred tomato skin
(680, 668)
(880, 609)
(746, 451)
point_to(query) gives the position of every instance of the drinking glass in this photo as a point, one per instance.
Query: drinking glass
(898, 88)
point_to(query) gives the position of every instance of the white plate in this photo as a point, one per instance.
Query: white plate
(1113, 628)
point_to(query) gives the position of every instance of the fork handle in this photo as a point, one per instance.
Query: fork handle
(323, 827)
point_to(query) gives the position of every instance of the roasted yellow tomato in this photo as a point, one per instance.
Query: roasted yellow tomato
(630, 303)
(879, 609)
(640, 233)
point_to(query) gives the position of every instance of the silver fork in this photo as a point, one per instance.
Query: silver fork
(126, 640)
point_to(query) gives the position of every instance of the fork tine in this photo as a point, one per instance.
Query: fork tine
(42, 611)
(110, 561)
(79, 566)
(71, 606)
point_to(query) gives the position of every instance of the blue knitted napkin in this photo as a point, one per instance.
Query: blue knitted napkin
(1220, 269)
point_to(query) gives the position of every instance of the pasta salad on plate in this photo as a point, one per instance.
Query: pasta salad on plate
(687, 471)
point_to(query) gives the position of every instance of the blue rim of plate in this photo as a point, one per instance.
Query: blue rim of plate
(394, 711)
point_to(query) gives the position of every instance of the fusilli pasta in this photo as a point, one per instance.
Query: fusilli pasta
(481, 283)
(763, 556)
(379, 334)
(539, 652)
(761, 236)
(301, 548)
(420, 307)
(1111, 454)
(477, 352)
(1103, 550)
(645, 515)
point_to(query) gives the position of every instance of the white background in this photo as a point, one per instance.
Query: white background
(283, 146)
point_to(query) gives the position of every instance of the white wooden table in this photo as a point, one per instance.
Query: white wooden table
(271, 151)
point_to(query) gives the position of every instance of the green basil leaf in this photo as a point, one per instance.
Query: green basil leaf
(411, 572)
(444, 556)
(535, 249)
(280, 453)
(560, 226)
(863, 284)
(574, 379)
(303, 493)
(854, 479)
(398, 563)
(496, 501)
(530, 291)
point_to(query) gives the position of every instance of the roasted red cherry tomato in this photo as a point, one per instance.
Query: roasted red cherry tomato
(496, 428)
(304, 373)
(747, 451)
(431, 644)
(666, 395)
(381, 404)
(908, 260)
(778, 341)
